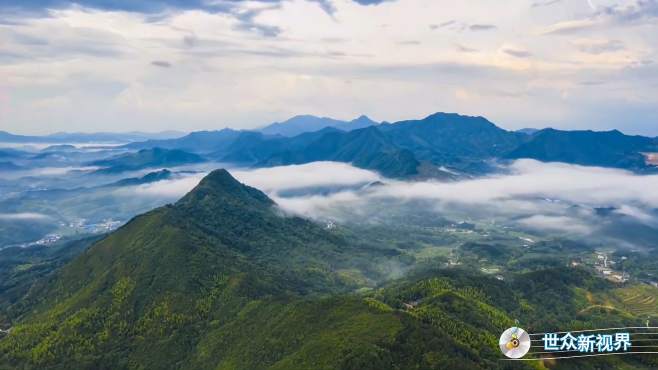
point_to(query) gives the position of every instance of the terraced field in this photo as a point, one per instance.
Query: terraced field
(640, 300)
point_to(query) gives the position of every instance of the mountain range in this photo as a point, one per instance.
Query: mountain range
(442, 145)
(306, 123)
(589, 148)
(438, 145)
(79, 137)
(146, 158)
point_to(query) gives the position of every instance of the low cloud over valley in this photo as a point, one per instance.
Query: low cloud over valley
(538, 197)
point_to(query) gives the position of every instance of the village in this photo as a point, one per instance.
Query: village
(75, 227)
(605, 266)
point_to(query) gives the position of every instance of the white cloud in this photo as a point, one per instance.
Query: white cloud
(318, 206)
(556, 224)
(637, 213)
(167, 189)
(316, 174)
(23, 216)
(534, 196)
(225, 72)
(270, 180)
(46, 171)
(521, 186)
(529, 178)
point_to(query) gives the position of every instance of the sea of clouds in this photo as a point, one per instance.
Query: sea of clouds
(534, 196)
(554, 199)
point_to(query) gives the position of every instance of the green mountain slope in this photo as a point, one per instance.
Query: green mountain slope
(366, 148)
(24, 230)
(397, 150)
(453, 140)
(150, 177)
(218, 280)
(21, 268)
(250, 147)
(195, 142)
(147, 158)
(306, 123)
(589, 148)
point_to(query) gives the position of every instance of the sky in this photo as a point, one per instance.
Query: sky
(99, 65)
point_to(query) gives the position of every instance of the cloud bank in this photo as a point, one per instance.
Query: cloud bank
(23, 216)
(115, 65)
(529, 195)
(316, 174)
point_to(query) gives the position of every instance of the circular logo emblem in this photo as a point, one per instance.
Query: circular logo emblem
(514, 343)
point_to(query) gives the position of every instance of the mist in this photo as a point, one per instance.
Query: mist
(24, 216)
(535, 197)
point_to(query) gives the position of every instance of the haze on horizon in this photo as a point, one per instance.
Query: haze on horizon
(172, 65)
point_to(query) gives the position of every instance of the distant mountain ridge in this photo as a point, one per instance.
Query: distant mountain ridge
(150, 177)
(9, 166)
(367, 148)
(147, 158)
(588, 148)
(441, 144)
(528, 131)
(198, 141)
(455, 141)
(80, 137)
(406, 148)
(306, 123)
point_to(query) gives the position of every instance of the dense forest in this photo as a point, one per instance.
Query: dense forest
(221, 280)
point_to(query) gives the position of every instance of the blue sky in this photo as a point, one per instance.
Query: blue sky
(102, 65)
